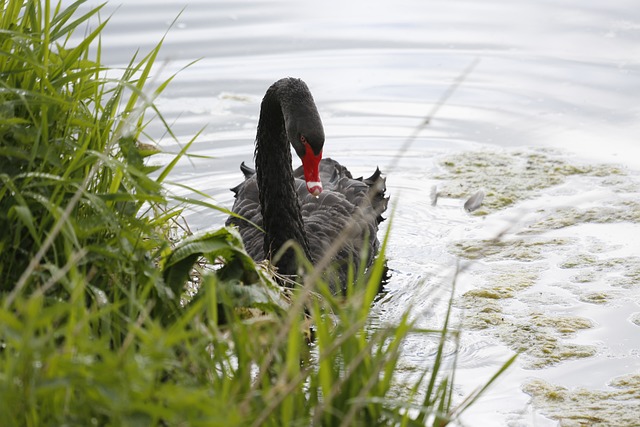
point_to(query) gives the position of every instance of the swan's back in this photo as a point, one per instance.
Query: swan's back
(348, 209)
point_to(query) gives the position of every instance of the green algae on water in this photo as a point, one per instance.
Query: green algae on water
(596, 297)
(502, 284)
(579, 261)
(541, 338)
(619, 272)
(620, 211)
(617, 407)
(508, 178)
(508, 306)
(515, 249)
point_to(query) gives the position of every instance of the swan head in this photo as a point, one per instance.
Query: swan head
(303, 127)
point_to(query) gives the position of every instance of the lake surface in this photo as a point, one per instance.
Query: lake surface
(546, 123)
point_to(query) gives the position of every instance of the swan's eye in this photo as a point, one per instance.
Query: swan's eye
(303, 139)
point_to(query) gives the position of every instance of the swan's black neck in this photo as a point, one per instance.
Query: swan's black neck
(282, 219)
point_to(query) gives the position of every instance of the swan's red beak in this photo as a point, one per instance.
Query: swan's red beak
(311, 165)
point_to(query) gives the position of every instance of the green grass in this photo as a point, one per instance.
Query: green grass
(96, 325)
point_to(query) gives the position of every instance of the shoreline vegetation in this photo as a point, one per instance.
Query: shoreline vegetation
(100, 323)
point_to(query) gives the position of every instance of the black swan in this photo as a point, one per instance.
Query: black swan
(317, 204)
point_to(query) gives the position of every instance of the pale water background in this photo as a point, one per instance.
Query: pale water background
(550, 106)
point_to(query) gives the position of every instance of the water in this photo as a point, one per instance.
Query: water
(546, 124)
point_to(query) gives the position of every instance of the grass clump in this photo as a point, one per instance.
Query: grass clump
(96, 327)
(73, 178)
